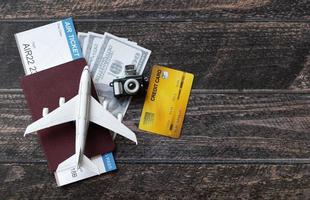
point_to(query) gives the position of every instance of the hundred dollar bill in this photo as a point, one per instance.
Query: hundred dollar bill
(94, 41)
(91, 44)
(112, 56)
(82, 36)
(85, 44)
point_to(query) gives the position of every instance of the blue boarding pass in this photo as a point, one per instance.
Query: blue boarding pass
(104, 162)
(48, 46)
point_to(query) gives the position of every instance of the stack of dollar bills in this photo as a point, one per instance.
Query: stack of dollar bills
(107, 55)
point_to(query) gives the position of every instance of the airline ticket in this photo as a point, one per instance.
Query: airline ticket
(48, 46)
(104, 162)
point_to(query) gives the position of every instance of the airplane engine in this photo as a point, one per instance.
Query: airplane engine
(61, 101)
(120, 117)
(105, 104)
(44, 111)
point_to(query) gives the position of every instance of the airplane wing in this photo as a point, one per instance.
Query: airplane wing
(60, 115)
(104, 118)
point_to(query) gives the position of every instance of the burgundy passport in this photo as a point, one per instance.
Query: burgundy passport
(43, 89)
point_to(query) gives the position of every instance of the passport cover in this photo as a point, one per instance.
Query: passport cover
(43, 89)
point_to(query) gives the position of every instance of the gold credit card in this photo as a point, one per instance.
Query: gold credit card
(165, 102)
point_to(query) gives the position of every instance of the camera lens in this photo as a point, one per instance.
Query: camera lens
(131, 86)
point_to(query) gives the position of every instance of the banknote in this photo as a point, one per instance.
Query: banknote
(90, 46)
(93, 42)
(81, 37)
(109, 63)
(84, 44)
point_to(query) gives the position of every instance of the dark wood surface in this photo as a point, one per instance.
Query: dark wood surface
(251, 55)
(157, 10)
(247, 130)
(163, 181)
(229, 127)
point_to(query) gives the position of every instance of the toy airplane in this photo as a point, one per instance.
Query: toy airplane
(82, 109)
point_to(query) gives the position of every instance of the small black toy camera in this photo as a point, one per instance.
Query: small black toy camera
(129, 85)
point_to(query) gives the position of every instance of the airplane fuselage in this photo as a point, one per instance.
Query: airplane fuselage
(82, 116)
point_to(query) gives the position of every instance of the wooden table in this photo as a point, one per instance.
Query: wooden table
(247, 129)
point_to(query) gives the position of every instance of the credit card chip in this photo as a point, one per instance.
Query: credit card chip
(148, 118)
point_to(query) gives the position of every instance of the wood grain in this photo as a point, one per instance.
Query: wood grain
(302, 81)
(237, 143)
(252, 55)
(143, 10)
(219, 128)
(164, 181)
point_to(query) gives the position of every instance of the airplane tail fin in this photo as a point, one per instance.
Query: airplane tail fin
(72, 162)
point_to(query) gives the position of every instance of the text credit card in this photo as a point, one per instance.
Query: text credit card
(166, 101)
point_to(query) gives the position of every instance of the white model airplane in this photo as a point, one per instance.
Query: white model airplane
(82, 108)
